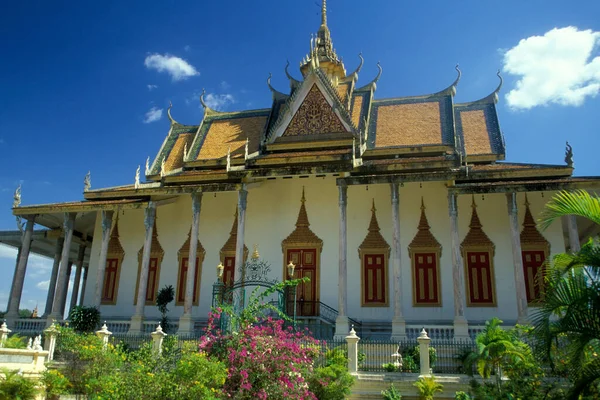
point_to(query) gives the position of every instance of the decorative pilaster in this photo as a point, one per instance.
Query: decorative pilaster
(17, 288)
(186, 325)
(54, 275)
(106, 225)
(341, 323)
(515, 238)
(61, 286)
(461, 326)
(77, 279)
(241, 227)
(574, 243)
(398, 323)
(136, 321)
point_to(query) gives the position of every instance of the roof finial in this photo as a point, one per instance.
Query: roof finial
(148, 166)
(324, 13)
(169, 114)
(228, 167)
(303, 199)
(202, 100)
(136, 183)
(569, 155)
(17, 197)
(422, 204)
(87, 182)
(373, 209)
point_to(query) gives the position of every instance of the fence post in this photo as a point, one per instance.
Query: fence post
(352, 341)
(104, 334)
(157, 340)
(4, 331)
(424, 341)
(50, 340)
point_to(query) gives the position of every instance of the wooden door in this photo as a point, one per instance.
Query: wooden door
(307, 296)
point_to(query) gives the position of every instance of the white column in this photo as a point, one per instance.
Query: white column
(62, 281)
(54, 275)
(63, 300)
(77, 279)
(461, 326)
(398, 323)
(341, 323)
(513, 218)
(86, 269)
(106, 225)
(16, 290)
(136, 321)
(186, 324)
(574, 243)
(239, 244)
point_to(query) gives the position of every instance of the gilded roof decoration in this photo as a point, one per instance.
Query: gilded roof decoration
(374, 239)
(530, 235)
(229, 246)
(184, 250)
(114, 244)
(156, 249)
(476, 236)
(314, 116)
(302, 234)
(424, 238)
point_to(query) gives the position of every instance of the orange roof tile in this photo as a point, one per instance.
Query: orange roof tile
(175, 158)
(232, 133)
(475, 132)
(356, 110)
(409, 124)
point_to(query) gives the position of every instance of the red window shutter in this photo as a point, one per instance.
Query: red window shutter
(196, 280)
(152, 280)
(183, 269)
(229, 271)
(374, 283)
(479, 276)
(110, 280)
(532, 266)
(426, 278)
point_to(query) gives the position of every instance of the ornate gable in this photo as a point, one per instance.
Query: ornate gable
(156, 250)
(314, 116)
(115, 250)
(424, 239)
(531, 238)
(476, 238)
(374, 239)
(302, 235)
(228, 249)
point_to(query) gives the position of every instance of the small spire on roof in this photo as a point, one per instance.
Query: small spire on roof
(228, 167)
(162, 167)
(169, 114)
(246, 149)
(87, 181)
(324, 13)
(303, 199)
(17, 197)
(569, 155)
(148, 166)
(185, 150)
(136, 183)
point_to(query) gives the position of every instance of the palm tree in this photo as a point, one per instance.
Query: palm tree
(569, 315)
(496, 348)
(428, 387)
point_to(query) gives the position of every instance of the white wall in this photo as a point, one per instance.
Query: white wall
(271, 215)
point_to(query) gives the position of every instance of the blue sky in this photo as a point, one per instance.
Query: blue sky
(85, 85)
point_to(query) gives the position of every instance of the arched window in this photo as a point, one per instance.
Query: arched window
(374, 254)
(183, 270)
(534, 249)
(112, 272)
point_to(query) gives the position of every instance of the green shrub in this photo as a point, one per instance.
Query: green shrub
(84, 319)
(461, 396)
(409, 364)
(390, 367)
(13, 386)
(427, 387)
(15, 341)
(391, 394)
(333, 381)
(163, 298)
(55, 383)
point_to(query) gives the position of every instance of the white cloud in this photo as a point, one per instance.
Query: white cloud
(225, 85)
(178, 68)
(154, 114)
(44, 285)
(152, 87)
(558, 67)
(8, 252)
(219, 101)
(187, 48)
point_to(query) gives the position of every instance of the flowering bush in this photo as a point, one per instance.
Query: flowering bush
(55, 383)
(264, 360)
(332, 381)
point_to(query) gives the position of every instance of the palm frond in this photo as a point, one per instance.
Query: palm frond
(564, 203)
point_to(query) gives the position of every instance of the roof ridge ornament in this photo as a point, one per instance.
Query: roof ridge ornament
(293, 81)
(87, 182)
(569, 155)
(162, 167)
(360, 65)
(173, 122)
(228, 167)
(373, 84)
(147, 166)
(136, 183)
(17, 197)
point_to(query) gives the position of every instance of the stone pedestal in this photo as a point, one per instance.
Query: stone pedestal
(398, 328)
(136, 324)
(341, 327)
(461, 328)
(186, 325)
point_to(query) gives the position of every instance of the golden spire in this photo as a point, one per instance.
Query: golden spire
(302, 215)
(255, 255)
(324, 13)
(373, 240)
(530, 235)
(476, 237)
(424, 238)
(302, 233)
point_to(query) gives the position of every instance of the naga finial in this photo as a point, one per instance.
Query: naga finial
(17, 197)
(228, 167)
(148, 166)
(162, 167)
(202, 100)
(169, 114)
(136, 183)
(87, 182)
(185, 150)
(246, 149)
(569, 155)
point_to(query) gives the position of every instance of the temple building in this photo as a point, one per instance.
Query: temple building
(400, 211)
